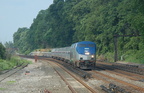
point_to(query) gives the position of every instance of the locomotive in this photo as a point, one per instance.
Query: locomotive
(81, 54)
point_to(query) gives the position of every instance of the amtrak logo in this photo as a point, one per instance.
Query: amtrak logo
(86, 48)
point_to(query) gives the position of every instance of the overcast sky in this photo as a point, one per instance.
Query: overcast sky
(16, 14)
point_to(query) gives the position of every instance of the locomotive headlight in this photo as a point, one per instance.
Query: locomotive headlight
(81, 58)
(92, 56)
(87, 53)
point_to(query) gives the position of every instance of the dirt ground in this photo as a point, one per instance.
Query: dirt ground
(35, 78)
(40, 76)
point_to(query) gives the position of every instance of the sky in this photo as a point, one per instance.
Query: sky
(16, 14)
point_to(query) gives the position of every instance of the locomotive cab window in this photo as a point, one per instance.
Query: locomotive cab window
(82, 45)
(91, 45)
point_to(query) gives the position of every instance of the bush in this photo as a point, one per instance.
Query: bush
(2, 51)
(108, 57)
(135, 56)
(9, 64)
(4, 65)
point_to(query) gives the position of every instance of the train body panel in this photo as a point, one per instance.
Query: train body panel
(61, 53)
(48, 54)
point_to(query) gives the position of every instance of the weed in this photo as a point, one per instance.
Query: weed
(2, 88)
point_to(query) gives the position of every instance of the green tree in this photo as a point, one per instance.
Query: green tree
(2, 51)
(69, 21)
(10, 49)
(20, 40)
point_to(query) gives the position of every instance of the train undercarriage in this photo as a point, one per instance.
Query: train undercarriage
(85, 64)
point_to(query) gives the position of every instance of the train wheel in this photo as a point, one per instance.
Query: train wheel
(74, 64)
(77, 64)
(94, 65)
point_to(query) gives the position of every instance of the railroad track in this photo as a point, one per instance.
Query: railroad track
(77, 71)
(71, 80)
(11, 72)
(137, 69)
(108, 79)
(122, 73)
(129, 68)
(128, 74)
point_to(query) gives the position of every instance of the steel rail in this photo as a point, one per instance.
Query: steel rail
(88, 87)
(14, 72)
(69, 86)
(120, 81)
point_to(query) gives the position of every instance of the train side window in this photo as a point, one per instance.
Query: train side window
(72, 46)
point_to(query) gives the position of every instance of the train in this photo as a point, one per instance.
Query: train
(81, 54)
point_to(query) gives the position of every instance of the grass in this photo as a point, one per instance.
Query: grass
(135, 57)
(134, 60)
(9, 64)
(11, 82)
(2, 88)
(129, 56)
(108, 57)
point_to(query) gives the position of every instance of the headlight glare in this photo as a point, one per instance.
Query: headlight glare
(92, 56)
(87, 53)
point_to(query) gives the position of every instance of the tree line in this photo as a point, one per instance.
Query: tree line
(7, 50)
(69, 21)
(2, 51)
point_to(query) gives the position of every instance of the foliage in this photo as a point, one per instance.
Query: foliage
(20, 40)
(136, 57)
(10, 49)
(69, 21)
(2, 51)
(9, 64)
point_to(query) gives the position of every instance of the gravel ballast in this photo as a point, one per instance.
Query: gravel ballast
(35, 78)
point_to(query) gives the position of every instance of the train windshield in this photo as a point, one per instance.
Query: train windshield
(84, 45)
(91, 45)
(81, 45)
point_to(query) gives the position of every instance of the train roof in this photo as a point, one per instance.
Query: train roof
(86, 42)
